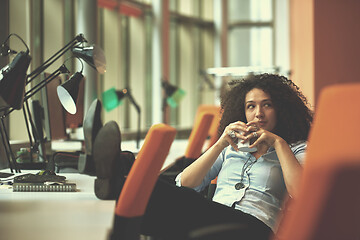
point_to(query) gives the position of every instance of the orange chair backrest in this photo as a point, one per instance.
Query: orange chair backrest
(328, 201)
(198, 135)
(145, 171)
(213, 131)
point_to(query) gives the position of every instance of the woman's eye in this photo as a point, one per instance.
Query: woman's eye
(250, 106)
(268, 105)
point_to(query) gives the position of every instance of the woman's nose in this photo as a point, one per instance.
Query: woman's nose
(259, 112)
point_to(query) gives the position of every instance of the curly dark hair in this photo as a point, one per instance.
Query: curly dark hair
(294, 117)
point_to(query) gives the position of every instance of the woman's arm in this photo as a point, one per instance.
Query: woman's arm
(194, 174)
(291, 168)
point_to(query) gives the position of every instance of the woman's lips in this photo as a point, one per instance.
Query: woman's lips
(262, 123)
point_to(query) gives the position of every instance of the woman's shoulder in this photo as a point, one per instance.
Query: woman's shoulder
(299, 150)
(298, 145)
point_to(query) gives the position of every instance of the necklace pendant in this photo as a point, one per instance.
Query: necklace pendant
(239, 186)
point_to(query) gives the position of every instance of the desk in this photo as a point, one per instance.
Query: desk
(56, 215)
(63, 215)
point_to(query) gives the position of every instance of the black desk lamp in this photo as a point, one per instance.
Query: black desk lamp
(113, 98)
(173, 94)
(12, 86)
(13, 80)
(93, 55)
(68, 92)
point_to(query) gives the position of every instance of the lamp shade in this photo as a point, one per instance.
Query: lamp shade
(92, 55)
(174, 94)
(113, 98)
(68, 92)
(13, 81)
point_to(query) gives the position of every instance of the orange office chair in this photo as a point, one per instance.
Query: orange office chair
(213, 135)
(328, 203)
(140, 182)
(194, 147)
(198, 135)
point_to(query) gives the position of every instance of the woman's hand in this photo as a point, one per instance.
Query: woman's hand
(259, 137)
(194, 174)
(233, 133)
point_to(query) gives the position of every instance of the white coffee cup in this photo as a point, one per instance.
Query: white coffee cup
(244, 147)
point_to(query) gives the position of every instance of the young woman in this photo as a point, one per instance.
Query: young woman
(270, 112)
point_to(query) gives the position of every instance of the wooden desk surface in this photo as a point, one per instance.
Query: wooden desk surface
(56, 215)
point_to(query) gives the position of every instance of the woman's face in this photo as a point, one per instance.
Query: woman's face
(259, 108)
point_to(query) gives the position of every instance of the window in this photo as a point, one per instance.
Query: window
(250, 33)
(191, 50)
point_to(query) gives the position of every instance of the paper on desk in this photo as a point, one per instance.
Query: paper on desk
(70, 146)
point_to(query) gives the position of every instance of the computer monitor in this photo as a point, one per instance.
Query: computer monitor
(38, 119)
(54, 113)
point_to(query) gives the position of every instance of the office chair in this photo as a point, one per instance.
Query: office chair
(327, 205)
(194, 147)
(213, 134)
(140, 182)
(198, 135)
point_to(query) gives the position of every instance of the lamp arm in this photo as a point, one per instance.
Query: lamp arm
(7, 148)
(132, 100)
(78, 39)
(138, 131)
(35, 133)
(207, 80)
(6, 49)
(25, 111)
(44, 82)
(3, 139)
(8, 112)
